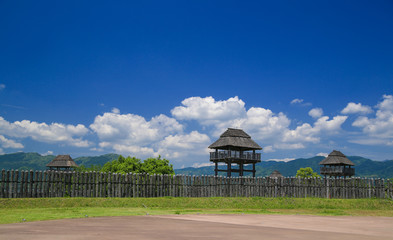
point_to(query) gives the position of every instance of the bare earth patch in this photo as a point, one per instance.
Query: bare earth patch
(205, 227)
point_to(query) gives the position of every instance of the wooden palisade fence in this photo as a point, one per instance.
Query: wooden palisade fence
(37, 184)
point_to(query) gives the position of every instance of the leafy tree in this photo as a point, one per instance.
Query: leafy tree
(157, 166)
(307, 173)
(123, 165)
(92, 168)
(134, 165)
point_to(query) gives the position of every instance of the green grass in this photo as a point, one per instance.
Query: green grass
(36, 209)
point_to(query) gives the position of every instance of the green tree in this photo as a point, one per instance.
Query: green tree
(157, 166)
(92, 168)
(134, 165)
(123, 165)
(307, 173)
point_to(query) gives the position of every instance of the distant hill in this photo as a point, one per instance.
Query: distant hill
(364, 167)
(35, 161)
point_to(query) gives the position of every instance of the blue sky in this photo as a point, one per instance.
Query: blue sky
(167, 77)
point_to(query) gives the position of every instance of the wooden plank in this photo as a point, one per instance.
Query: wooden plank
(7, 184)
(26, 184)
(11, 190)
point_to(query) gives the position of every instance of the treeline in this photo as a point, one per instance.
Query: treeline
(132, 165)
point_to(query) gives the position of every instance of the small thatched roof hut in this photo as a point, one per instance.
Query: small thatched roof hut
(62, 161)
(276, 174)
(235, 139)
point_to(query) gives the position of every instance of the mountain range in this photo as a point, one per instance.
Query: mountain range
(363, 167)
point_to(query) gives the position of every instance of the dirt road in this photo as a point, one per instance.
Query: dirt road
(204, 227)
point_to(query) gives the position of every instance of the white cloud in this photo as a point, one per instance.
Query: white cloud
(330, 126)
(264, 124)
(2, 86)
(186, 141)
(199, 165)
(300, 102)
(268, 149)
(133, 130)
(321, 154)
(131, 134)
(8, 143)
(134, 150)
(353, 108)
(296, 100)
(182, 145)
(307, 133)
(272, 129)
(97, 149)
(42, 132)
(316, 112)
(134, 135)
(289, 146)
(115, 110)
(378, 130)
(209, 111)
(281, 159)
(47, 153)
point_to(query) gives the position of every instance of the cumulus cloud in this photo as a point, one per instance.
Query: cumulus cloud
(281, 159)
(296, 100)
(134, 150)
(321, 154)
(308, 133)
(378, 130)
(181, 145)
(43, 132)
(316, 112)
(300, 102)
(289, 146)
(8, 143)
(353, 108)
(115, 110)
(209, 111)
(47, 153)
(268, 149)
(265, 124)
(262, 124)
(199, 165)
(133, 135)
(130, 129)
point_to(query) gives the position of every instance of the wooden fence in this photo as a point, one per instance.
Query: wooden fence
(23, 184)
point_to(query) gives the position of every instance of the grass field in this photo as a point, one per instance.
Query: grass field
(36, 209)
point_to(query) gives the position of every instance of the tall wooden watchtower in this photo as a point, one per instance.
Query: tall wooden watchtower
(336, 164)
(235, 147)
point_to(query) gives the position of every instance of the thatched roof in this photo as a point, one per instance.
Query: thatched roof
(276, 174)
(336, 158)
(235, 139)
(62, 161)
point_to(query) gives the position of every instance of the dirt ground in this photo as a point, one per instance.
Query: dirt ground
(204, 227)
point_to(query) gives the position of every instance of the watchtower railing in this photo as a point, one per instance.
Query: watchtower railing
(236, 155)
(337, 170)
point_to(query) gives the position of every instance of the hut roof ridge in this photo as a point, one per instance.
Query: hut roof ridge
(236, 138)
(62, 161)
(336, 158)
(276, 174)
